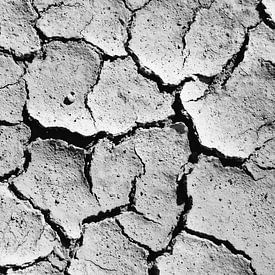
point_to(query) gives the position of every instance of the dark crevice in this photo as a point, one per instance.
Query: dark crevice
(74, 138)
(91, 90)
(38, 131)
(132, 195)
(27, 265)
(264, 16)
(182, 194)
(234, 62)
(87, 167)
(205, 79)
(11, 174)
(219, 242)
(6, 123)
(195, 146)
(28, 57)
(153, 270)
(182, 116)
(126, 6)
(28, 159)
(3, 270)
(105, 215)
(154, 124)
(54, 5)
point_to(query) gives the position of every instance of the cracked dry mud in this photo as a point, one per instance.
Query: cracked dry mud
(137, 137)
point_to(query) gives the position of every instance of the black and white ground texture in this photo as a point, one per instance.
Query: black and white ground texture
(137, 137)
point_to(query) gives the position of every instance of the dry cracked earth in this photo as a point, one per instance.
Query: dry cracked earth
(137, 137)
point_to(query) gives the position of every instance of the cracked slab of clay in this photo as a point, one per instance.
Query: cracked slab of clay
(106, 250)
(13, 98)
(137, 198)
(231, 119)
(13, 140)
(55, 182)
(122, 98)
(10, 71)
(262, 161)
(112, 171)
(58, 84)
(17, 27)
(53, 264)
(193, 255)
(163, 152)
(229, 205)
(101, 22)
(178, 39)
(25, 236)
(12, 90)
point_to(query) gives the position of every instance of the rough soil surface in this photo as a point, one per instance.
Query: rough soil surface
(137, 137)
(102, 23)
(13, 141)
(18, 34)
(232, 118)
(123, 98)
(113, 170)
(240, 207)
(194, 255)
(25, 235)
(55, 182)
(58, 83)
(106, 250)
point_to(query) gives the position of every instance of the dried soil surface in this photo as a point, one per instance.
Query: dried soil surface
(137, 137)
